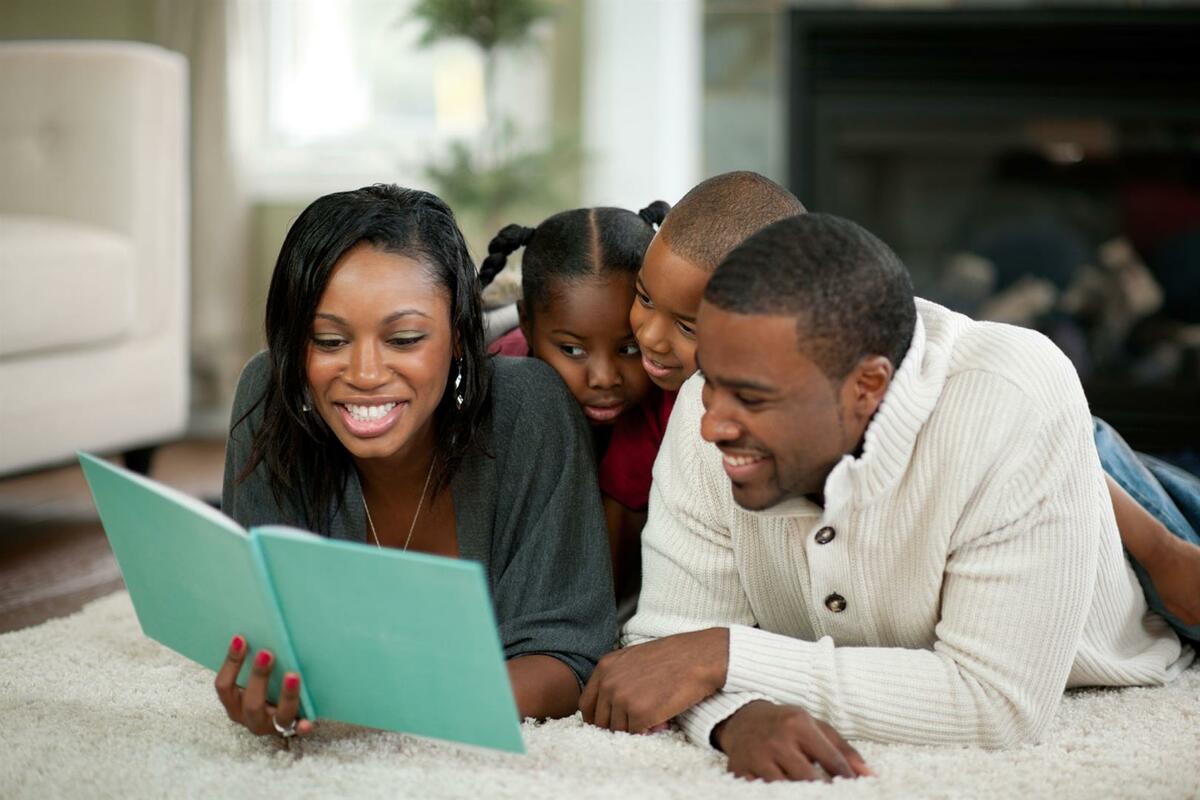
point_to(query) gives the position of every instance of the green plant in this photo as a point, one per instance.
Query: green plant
(494, 179)
(488, 23)
(488, 184)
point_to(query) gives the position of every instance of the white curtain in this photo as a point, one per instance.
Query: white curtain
(223, 328)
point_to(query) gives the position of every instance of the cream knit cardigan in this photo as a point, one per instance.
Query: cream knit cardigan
(974, 544)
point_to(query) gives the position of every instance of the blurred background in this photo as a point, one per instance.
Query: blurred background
(1034, 163)
(1031, 163)
(510, 110)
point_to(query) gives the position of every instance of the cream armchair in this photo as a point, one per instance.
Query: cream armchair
(93, 249)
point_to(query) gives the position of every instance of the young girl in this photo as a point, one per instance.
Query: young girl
(577, 283)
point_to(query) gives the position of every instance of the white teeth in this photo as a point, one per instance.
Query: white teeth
(369, 413)
(740, 461)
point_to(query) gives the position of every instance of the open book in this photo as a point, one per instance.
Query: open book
(399, 641)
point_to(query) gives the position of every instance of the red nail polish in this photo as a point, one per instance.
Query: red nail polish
(237, 644)
(291, 683)
(263, 659)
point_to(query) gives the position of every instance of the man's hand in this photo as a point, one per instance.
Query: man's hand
(775, 742)
(638, 687)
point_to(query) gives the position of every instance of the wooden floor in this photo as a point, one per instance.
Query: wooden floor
(53, 554)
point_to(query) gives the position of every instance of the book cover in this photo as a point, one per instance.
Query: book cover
(399, 641)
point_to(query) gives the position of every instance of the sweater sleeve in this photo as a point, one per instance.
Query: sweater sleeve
(250, 501)
(1014, 602)
(1015, 597)
(689, 574)
(553, 582)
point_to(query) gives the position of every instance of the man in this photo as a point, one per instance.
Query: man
(902, 529)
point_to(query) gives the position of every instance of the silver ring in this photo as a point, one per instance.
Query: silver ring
(287, 732)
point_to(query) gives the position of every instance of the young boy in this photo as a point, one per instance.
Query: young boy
(701, 229)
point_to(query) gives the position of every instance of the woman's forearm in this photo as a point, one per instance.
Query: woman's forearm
(543, 686)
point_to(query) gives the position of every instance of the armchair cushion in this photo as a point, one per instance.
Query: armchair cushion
(62, 284)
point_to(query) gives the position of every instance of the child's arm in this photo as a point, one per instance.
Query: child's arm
(1172, 563)
(624, 545)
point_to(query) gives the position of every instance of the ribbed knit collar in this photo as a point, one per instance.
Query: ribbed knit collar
(892, 433)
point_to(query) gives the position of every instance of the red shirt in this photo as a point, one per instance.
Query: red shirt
(510, 344)
(628, 463)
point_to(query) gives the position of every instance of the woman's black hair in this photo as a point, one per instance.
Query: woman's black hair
(306, 462)
(571, 245)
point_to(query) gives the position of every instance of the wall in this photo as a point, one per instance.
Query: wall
(641, 100)
(78, 19)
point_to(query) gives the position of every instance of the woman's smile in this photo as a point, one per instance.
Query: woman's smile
(381, 352)
(366, 420)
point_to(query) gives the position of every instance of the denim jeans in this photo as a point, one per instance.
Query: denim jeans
(1170, 494)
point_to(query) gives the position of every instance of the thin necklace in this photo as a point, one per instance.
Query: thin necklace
(411, 527)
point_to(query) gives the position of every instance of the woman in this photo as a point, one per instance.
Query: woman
(375, 415)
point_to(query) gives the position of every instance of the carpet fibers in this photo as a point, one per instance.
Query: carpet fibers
(91, 708)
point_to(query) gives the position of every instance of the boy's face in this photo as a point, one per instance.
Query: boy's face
(663, 317)
(584, 334)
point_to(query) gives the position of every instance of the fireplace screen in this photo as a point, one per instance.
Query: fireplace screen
(1033, 168)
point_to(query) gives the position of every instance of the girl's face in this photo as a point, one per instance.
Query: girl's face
(663, 318)
(379, 355)
(584, 334)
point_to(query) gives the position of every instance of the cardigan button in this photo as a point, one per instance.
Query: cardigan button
(825, 535)
(835, 603)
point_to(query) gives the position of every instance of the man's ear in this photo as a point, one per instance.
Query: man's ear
(868, 383)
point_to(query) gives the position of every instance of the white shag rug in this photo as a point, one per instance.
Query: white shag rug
(91, 708)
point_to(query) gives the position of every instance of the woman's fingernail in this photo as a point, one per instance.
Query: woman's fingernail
(263, 659)
(237, 644)
(291, 683)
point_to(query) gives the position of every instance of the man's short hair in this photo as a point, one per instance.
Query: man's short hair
(722, 212)
(851, 295)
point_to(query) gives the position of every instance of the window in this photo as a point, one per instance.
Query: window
(333, 94)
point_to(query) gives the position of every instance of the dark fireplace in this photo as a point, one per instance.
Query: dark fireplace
(1040, 167)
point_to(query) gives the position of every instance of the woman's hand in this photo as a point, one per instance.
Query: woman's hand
(249, 706)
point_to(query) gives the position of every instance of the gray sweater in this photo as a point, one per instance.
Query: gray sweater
(528, 510)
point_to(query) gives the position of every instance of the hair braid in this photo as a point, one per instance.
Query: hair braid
(655, 213)
(510, 239)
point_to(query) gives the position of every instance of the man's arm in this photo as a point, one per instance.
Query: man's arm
(1014, 600)
(691, 590)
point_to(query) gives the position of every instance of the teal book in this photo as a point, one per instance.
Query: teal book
(403, 642)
